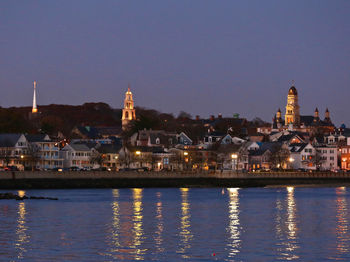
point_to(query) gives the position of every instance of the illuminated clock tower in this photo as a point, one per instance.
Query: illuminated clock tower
(128, 110)
(292, 115)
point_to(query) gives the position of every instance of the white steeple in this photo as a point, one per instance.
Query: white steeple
(34, 109)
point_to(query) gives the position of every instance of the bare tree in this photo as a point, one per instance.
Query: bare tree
(96, 158)
(33, 155)
(317, 159)
(279, 156)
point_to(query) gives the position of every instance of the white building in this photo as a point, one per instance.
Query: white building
(328, 157)
(302, 156)
(77, 155)
(47, 152)
(13, 149)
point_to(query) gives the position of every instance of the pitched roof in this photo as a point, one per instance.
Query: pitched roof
(109, 148)
(9, 140)
(36, 138)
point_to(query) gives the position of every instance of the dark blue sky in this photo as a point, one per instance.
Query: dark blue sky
(204, 57)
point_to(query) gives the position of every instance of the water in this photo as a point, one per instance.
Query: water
(253, 224)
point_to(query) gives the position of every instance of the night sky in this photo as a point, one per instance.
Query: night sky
(203, 57)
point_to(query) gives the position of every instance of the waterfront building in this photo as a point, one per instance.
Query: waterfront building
(302, 156)
(327, 157)
(78, 155)
(13, 149)
(345, 155)
(109, 155)
(128, 113)
(43, 152)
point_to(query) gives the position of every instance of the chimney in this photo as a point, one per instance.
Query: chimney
(220, 116)
(212, 117)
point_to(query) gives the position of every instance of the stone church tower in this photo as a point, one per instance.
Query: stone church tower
(128, 110)
(292, 109)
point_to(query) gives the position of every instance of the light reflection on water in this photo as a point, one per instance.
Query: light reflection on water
(234, 225)
(342, 222)
(158, 236)
(21, 231)
(287, 227)
(185, 230)
(138, 224)
(178, 224)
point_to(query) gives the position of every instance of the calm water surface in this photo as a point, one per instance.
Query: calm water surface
(253, 224)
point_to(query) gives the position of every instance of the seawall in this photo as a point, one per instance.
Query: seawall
(103, 179)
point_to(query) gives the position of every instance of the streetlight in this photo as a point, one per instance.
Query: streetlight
(159, 165)
(185, 158)
(138, 153)
(291, 160)
(22, 160)
(234, 161)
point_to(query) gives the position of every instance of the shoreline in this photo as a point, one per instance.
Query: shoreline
(67, 180)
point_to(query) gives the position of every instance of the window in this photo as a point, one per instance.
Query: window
(331, 158)
(331, 151)
(157, 141)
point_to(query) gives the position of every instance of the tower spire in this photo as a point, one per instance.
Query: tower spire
(128, 113)
(34, 109)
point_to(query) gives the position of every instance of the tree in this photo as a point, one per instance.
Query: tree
(96, 158)
(33, 155)
(279, 156)
(317, 159)
(124, 157)
(184, 114)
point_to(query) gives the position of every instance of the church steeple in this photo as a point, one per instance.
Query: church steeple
(34, 108)
(327, 116)
(316, 115)
(128, 110)
(292, 108)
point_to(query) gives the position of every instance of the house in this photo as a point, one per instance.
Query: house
(109, 155)
(183, 139)
(345, 155)
(327, 157)
(13, 149)
(291, 138)
(139, 157)
(302, 156)
(262, 158)
(47, 152)
(213, 137)
(154, 138)
(228, 157)
(78, 155)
